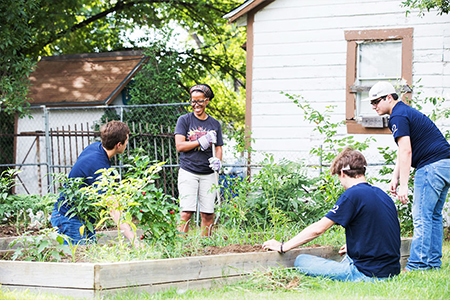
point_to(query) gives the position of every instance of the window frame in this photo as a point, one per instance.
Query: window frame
(353, 37)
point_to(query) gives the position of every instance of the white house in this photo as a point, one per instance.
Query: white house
(330, 52)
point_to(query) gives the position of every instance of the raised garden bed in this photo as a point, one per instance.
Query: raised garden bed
(96, 279)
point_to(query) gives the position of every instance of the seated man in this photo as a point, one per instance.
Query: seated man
(372, 230)
(114, 139)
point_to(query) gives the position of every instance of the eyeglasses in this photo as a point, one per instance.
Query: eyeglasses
(375, 102)
(201, 102)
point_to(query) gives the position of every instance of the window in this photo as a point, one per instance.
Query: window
(372, 56)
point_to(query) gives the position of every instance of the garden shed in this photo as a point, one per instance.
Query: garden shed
(330, 52)
(76, 88)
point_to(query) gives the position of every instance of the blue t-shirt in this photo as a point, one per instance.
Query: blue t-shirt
(92, 159)
(372, 230)
(191, 127)
(428, 144)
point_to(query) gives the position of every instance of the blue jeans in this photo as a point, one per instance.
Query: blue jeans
(71, 228)
(431, 185)
(345, 270)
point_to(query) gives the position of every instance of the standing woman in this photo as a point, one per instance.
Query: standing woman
(194, 135)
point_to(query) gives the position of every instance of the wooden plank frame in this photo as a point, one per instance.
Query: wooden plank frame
(98, 279)
(352, 36)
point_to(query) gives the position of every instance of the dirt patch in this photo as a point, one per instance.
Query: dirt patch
(11, 231)
(235, 248)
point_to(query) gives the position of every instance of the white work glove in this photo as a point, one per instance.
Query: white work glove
(206, 140)
(215, 164)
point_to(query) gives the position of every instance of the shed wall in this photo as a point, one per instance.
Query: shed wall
(300, 48)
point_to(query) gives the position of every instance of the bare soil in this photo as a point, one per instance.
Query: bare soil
(11, 231)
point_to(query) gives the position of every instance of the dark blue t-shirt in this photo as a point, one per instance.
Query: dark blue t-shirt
(92, 159)
(427, 142)
(191, 127)
(372, 230)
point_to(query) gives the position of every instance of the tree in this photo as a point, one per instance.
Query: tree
(442, 6)
(15, 66)
(30, 29)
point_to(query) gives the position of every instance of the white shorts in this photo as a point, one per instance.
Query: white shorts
(191, 186)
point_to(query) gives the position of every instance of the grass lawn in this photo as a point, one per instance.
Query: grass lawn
(288, 284)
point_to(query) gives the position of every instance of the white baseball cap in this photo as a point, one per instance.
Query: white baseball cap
(380, 89)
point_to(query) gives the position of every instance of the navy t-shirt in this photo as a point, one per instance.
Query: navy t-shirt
(92, 159)
(191, 127)
(372, 230)
(427, 142)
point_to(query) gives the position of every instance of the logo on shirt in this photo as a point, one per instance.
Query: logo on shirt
(394, 129)
(195, 133)
(335, 208)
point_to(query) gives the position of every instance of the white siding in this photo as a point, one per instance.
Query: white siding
(300, 48)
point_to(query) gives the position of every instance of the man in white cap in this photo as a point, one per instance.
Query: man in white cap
(420, 145)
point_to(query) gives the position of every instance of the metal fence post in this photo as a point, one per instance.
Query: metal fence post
(120, 159)
(48, 150)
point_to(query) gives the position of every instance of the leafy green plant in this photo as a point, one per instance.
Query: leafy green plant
(7, 182)
(79, 203)
(23, 211)
(274, 197)
(156, 212)
(48, 246)
(110, 193)
(283, 188)
(325, 191)
(235, 206)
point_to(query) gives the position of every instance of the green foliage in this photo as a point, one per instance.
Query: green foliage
(442, 6)
(282, 187)
(159, 80)
(25, 210)
(156, 212)
(7, 182)
(22, 210)
(47, 246)
(327, 190)
(235, 208)
(31, 29)
(7, 122)
(79, 203)
(278, 195)
(110, 193)
(15, 66)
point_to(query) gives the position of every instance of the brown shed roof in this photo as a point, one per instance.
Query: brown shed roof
(83, 79)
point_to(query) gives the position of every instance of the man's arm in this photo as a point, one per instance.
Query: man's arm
(125, 228)
(404, 167)
(394, 180)
(306, 235)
